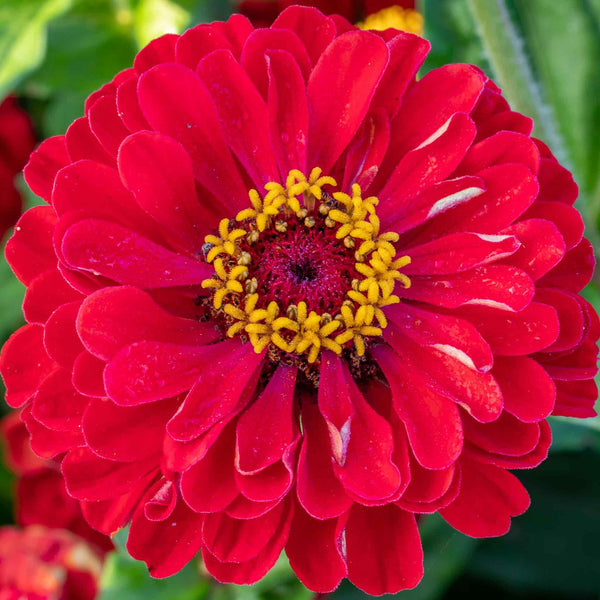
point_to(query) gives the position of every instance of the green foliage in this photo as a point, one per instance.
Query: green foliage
(553, 548)
(127, 579)
(23, 37)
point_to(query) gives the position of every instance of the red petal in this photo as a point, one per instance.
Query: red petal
(89, 477)
(366, 150)
(319, 491)
(567, 219)
(176, 103)
(106, 124)
(129, 107)
(364, 466)
(266, 428)
(29, 251)
(126, 434)
(432, 421)
(106, 323)
(242, 113)
(165, 546)
(431, 162)
(476, 392)
(428, 105)
(45, 294)
(162, 501)
(570, 316)
(236, 29)
(24, 364)
(194, 44)
(149, 371)
(223, 386)
(242, 508)
(107, 249)
(159, 50)
(459, 252)
(456, 337)
(515, 333)
(82, 143)
(556, 183)
(288, 112)
(506, 435)
(402, 215)
(60, 336)
(108, 516)
(310, 25)
(510, 190)
(489, 497)
(542, 246)
(576, 398)
(44, 163)
(209, 485)
(57, 405)
(248, 572)
(527, 389)
(504, 147)
(234, 540)
(407, 53)
(158, 172)
(496, 286)
(384, 550)
(575, 270)
(88, 375)
(260, 44)
(334, 123)
(313, 550)
(46, 442)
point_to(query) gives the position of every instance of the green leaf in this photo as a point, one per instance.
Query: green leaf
(563, 42)
(154, 18)
(86, 49)
(124, 578)
(23, 37)
(505, 50)
(553, 547)
(446, 554)
(450, 28)
(575, 434)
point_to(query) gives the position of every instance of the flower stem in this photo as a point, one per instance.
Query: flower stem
(506, 53)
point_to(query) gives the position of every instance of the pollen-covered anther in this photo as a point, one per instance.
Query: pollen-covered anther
(226, 243)
(262, 315)
(225, 282)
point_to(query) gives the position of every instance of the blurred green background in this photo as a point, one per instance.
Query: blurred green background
(546, 55)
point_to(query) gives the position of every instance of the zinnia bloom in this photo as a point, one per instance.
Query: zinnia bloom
(41, 496)
(285, 296)
(37, 563)
(16, 143)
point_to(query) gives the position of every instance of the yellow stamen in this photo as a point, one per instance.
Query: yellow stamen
(296, 329)
(394, 17)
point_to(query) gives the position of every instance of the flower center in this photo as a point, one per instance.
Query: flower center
(304, 270)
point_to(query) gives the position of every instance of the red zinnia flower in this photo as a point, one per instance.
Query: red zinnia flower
(37, 563)
(286, 296)
(16, 143)
(41, 497)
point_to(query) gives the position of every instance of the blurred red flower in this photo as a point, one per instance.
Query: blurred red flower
(37, 563)
(41, 496)
(16, 143)
(263, 12)
(284, 295)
